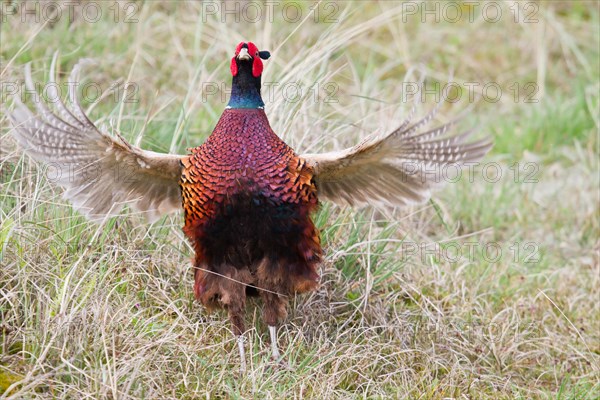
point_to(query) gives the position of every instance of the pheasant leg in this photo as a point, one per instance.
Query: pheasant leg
(274, 348)
(240, 342)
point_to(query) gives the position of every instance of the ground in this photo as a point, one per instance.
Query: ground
(490, 291)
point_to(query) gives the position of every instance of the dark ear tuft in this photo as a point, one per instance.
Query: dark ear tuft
(264, 54)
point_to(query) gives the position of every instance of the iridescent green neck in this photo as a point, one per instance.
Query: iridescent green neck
(245, 88)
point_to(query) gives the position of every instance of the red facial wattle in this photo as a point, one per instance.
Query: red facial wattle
(233, 67)
(257, 65)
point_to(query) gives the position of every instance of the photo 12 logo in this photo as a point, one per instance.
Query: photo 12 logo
(88, 92)
(527, 252)
(271, 91)
(453, 172)
(471, 91)
(469, 11)
(257, 11)
(52, 12)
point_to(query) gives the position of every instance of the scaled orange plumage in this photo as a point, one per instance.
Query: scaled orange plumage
(247, 196)
(247, 199)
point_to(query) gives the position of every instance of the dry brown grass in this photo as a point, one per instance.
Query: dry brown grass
(108, 312)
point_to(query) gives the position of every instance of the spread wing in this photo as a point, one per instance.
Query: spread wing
(396, 169)
(100, 173)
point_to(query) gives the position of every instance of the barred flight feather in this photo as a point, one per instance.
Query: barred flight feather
(397, 169)
(100, 173)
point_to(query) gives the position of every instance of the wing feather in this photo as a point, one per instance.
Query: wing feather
(100, 173)
(397, 169)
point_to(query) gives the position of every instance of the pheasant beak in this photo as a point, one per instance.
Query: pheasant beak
(244, 55)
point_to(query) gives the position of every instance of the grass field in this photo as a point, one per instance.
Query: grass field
(490, 291)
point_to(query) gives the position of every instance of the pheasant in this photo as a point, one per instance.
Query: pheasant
(247, 197)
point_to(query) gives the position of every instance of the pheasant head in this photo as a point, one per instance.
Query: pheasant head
(246, 69)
